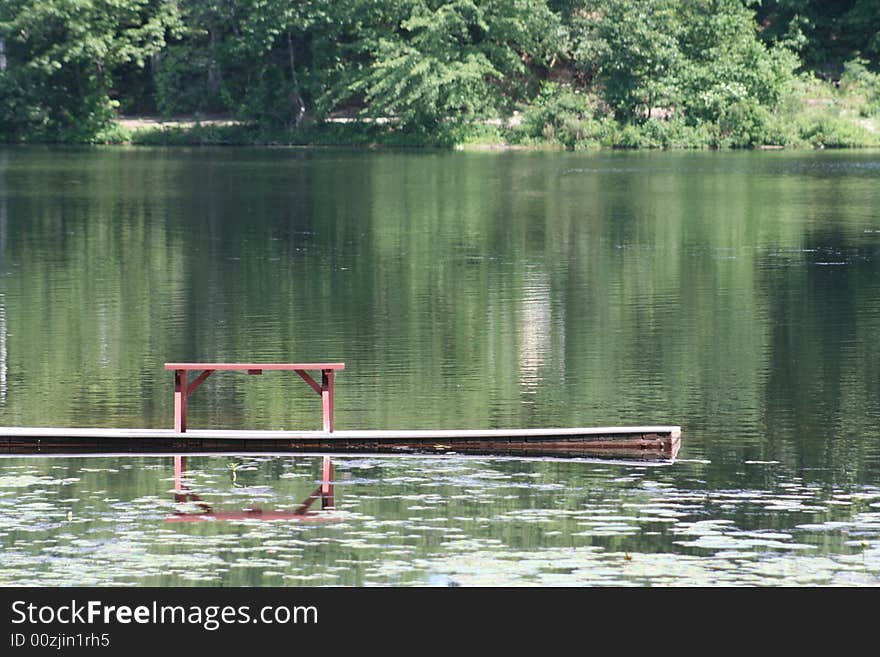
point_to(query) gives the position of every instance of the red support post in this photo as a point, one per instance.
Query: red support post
(179, 472)
(327, 399)
(180, 401)
(327, 483)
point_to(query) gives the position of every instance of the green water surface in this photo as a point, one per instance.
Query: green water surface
(734, 294)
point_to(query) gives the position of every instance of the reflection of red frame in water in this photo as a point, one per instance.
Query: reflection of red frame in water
(300, 514)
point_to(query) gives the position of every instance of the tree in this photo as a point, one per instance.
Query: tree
(61, 55)
(725, 64)
(861, 25)
(825, 33)
(454, 61)
(270, 61)
(275, 45)
(639, 62)
(196, 71)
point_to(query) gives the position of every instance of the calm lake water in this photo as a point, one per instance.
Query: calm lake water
(735, 294)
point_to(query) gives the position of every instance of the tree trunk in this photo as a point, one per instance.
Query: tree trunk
(77, 74)
(99, 71)
(297, 105)
(214, 76)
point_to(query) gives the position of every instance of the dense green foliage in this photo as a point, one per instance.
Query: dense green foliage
(579, 73)
(62, 56)
(824, 33)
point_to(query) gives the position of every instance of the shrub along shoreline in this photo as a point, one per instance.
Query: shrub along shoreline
(826, 119)
(811, 114)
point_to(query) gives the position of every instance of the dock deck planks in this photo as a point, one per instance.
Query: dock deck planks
(637, 440)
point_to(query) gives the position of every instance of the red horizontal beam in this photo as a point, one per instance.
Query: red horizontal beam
(254, 366)
(250, 515)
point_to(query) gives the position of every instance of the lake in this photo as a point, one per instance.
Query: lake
(736, 294)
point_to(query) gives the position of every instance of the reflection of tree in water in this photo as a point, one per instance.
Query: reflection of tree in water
(4, 360)
(823, 367)
(535, 331)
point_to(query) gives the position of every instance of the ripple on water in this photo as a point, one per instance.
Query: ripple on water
(476, 522)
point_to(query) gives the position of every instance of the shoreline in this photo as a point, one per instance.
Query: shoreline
(491, 136)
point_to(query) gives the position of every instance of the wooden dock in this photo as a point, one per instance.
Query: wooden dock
(647, 442)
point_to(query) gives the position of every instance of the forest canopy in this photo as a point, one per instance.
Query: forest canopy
(574, 72)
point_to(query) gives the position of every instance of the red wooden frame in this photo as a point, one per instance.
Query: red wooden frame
(182, 390)
(206, 511)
